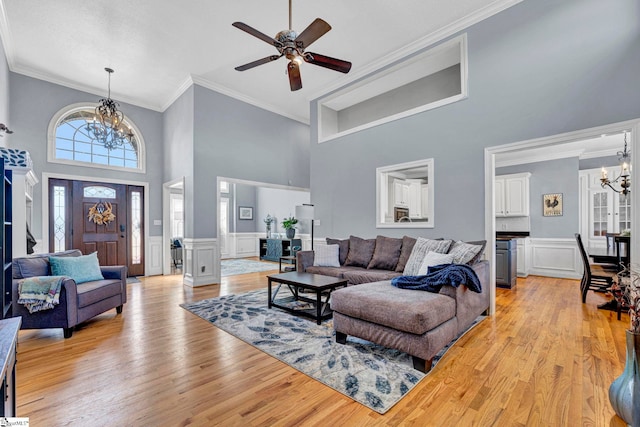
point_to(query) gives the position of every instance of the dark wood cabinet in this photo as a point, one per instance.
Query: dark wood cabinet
(8, 347)
(6, 240)
(273, 249)
(506, 263)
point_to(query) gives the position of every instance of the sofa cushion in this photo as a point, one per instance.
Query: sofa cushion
(344, 248)
(405, 253)
(37, 265)
(434, 258)
(420, 250)
(85, 268)
(463, 252)
(406, 310)
(97, 290)
(360, 251)
(386, 253)
(326, 256)
(330, 271)
(357, 277)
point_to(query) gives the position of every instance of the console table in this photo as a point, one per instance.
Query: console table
(273, 249)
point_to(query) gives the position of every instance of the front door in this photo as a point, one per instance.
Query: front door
(98, 217)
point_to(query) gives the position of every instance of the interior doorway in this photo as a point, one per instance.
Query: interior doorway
(101, 217)
(173, 227)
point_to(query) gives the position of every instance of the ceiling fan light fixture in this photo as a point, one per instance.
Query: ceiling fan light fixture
(292, 45)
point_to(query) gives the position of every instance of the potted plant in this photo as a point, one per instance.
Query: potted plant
(624, 392)
(289, 224)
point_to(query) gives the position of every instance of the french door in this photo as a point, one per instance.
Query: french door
(98, 217)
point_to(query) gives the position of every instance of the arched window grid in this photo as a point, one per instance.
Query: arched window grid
(71, 143)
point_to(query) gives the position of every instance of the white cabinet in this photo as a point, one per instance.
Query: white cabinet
(512, 195)
(522, 257)
(400, 193)
(415, 205)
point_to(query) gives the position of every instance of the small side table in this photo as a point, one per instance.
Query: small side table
(289, 260)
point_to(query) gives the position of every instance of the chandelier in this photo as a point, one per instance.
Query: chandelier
(107, 126)
(624, 157)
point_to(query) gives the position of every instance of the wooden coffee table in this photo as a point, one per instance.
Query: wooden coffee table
(295, 304)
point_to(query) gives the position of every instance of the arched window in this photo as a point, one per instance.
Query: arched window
(72, 141)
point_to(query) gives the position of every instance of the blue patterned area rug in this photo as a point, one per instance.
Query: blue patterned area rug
(372, 375)
(232, 267)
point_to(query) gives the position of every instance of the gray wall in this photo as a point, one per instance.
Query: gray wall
(554, 176)
(237, 140)
(4, 93)
(539, 68)
(33, 104)
(599, 162)
(245, 196)
(178, 153)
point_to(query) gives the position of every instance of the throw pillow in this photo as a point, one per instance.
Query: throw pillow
(344, 248)
(464, 252)
(82, 269)
(478, 257)
(386, 253)
(360, 251)
(433, 258)
(405, 253)
(420, 250)
(326, 256)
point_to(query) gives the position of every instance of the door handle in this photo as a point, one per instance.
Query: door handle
(122, 228)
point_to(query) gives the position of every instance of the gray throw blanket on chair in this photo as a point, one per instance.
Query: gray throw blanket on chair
(40, 293)
(439, 275)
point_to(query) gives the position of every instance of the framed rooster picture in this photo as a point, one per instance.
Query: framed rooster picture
(552, 204)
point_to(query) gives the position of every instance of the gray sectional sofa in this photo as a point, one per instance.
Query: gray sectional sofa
(78, 302)
(417, 322)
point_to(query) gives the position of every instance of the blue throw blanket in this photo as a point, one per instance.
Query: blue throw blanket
(439, 275)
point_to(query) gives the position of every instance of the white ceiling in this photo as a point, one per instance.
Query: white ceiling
(159, 48)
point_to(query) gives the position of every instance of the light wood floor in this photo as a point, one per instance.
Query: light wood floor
(545, 359)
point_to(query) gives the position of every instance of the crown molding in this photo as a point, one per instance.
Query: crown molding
(6, 36)
(421, 43)
(186, 84)
(247, 99)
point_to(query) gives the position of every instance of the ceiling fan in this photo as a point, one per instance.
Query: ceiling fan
(292, 45)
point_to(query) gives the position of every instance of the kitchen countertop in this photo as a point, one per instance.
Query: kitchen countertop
(509, 235)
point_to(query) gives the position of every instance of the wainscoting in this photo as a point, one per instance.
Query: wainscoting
(244, 245)
(201, 266)
(153, 256)
(550, 258)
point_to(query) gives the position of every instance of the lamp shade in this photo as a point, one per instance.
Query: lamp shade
(305, 212)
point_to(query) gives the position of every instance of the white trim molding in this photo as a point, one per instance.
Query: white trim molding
(242, 245)
(201, 262)
(153, 256)
(554, 258)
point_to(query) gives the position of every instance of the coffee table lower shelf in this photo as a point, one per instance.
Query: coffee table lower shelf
(318, 285)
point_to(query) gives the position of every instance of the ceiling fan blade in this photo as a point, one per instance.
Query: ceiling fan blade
(313, 32)
(327, 62)
(244, 27)
(295, 81)
(258, 62)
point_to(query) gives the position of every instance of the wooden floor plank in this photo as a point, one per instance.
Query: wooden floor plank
(543, 359)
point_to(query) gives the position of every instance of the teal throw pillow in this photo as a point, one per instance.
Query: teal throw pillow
(82, 269)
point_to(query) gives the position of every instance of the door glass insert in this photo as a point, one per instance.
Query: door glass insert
(59, 222)
(136, 221)
(600, 212)
(624, 217)
(100, 192)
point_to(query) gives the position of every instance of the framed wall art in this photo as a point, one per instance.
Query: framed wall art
(552, 204)
(245, 212)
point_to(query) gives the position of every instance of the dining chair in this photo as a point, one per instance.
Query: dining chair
(596, 277)
(623, 249)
